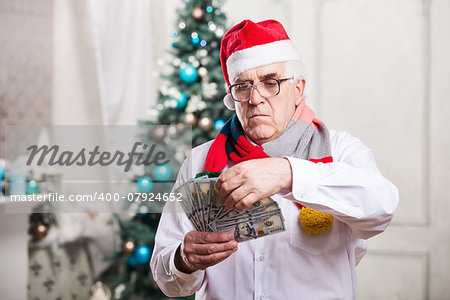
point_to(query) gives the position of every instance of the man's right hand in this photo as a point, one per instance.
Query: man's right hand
(204, 249)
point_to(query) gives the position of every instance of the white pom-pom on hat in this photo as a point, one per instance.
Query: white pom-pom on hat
(229, 102)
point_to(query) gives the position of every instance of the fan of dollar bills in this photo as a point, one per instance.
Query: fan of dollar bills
(207, 213)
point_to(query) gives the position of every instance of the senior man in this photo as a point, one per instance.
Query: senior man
(274, 146)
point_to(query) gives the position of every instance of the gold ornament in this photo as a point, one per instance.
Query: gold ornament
(39, 232)
(202, 72)
(128, 247)
(190, 119)
(206, 124)
(315, 222)
(197, 13)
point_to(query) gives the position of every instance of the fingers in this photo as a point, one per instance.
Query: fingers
(206, 249)
(246, 202)
(210, 259)
(237, 196)
(198, 237)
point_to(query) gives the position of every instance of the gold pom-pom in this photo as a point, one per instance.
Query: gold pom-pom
(315, 222)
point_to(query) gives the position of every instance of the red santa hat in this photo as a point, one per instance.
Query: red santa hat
(249, 45)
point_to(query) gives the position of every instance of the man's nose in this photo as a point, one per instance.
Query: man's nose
(256, 97)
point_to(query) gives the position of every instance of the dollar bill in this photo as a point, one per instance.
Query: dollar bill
(201, 203)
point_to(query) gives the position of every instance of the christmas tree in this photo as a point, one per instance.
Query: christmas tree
(190, 94)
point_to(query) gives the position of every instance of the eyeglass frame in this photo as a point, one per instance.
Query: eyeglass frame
(278, 80)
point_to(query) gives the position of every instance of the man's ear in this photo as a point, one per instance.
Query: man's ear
(299, 89)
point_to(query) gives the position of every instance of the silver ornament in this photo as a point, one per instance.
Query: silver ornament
(202, 71)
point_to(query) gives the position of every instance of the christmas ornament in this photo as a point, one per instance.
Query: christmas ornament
(212, 26)
(190, 119)
(219, 32)
(131, 260)
(170, 103)
(162, 173)
(100, 291)
(197, 13)
(202, 71)
(2, 173)
(39, 232)
(206, 124)
(175, 33)
(172, 131)
(32, 187)
(182, 25)
(128, 247)
(313, 221)
(203, 43)
(174, 45)
(143, 211)
(176, 62)
(209, 9)
(209, 89)
(195, 39)
(189, 74)
(219, 124)
(144, 184)
(142, 255)
(159, 133)
(181, 101)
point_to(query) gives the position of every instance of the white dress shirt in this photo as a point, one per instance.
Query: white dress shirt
(290, 264)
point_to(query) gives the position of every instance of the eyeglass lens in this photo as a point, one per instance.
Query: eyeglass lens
(267, 88)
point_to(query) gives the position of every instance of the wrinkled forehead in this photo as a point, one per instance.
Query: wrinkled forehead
(273, 70)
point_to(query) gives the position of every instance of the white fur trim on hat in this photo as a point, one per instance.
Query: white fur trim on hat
(229, 102)
(261, 55)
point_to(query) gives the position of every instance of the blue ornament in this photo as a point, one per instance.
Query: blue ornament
(195, 41)
(32, 187)
(174, 45)
(181, 101)
(175, 33)
(143, 255)
(203, 43)
(131, 260)
(162, 173)
(144, 184)
(209, 9)
(219, 124)
(189, 74)
(2, 173)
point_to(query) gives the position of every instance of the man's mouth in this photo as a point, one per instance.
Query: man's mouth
(258, 115)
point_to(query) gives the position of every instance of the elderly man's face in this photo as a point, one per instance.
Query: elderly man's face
(264, 119)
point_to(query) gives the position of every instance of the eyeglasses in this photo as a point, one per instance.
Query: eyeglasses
(242, 92)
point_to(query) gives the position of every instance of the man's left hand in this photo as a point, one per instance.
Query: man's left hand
(247, 182)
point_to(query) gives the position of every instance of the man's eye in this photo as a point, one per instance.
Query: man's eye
(242, 87)
(270, 83)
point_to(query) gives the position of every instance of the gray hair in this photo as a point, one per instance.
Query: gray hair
(295, 68)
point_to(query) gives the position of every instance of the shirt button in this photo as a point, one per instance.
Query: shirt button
(261, 258)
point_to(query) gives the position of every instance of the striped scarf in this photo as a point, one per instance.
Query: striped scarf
(304, 137)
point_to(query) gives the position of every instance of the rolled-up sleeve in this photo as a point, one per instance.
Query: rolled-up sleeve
(351, 188)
